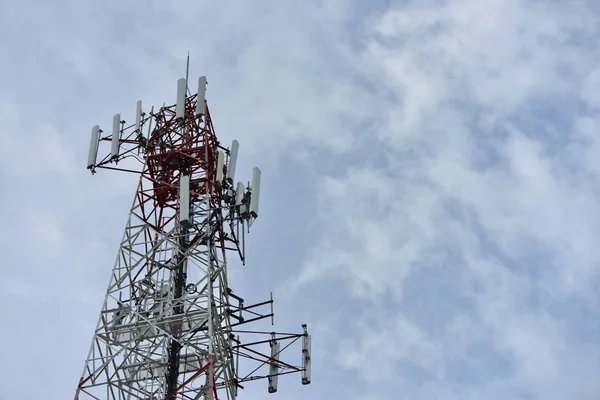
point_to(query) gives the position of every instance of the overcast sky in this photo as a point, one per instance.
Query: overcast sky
(431, 183)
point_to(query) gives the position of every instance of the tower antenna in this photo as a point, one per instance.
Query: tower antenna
(171, 327)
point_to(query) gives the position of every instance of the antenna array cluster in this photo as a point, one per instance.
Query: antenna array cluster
(169, 325)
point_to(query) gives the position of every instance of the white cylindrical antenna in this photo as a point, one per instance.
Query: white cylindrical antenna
(138, 116)
(233, 153)
(93, 154)
(255, 192)
(184, 199)
(239, 193)
(201, 96)
(116, 136)
(220, 160)
(306, 360)
(274, 367)
(180, 107)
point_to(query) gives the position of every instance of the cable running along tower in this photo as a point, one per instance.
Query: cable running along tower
(170, 326)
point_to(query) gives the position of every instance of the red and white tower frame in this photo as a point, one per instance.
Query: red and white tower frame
(170, 326)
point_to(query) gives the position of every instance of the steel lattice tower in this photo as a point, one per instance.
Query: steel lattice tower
(170, 326)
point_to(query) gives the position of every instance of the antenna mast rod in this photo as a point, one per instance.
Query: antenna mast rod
(180, 277)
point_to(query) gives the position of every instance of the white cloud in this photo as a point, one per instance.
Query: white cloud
(478, 171)
(384, 343)
(371, 225)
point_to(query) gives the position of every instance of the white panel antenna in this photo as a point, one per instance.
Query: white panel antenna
(233, 154)
(220, 161)
(305, 358)
(239, 194)
(180, 106)
(184, 199)
(201, 96)
(138, 116)
(116, 136)
(274, 368)
(93, 153)
(255, 192)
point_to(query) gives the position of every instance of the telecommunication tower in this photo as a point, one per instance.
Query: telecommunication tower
(170, 326)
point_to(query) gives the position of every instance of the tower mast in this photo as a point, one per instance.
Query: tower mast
(170, 325)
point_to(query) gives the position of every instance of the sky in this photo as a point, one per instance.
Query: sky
(430, 189)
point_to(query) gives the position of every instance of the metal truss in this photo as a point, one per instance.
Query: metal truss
(170, 326)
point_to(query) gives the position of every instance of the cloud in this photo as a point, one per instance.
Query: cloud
(408, 340)
(483, 183)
